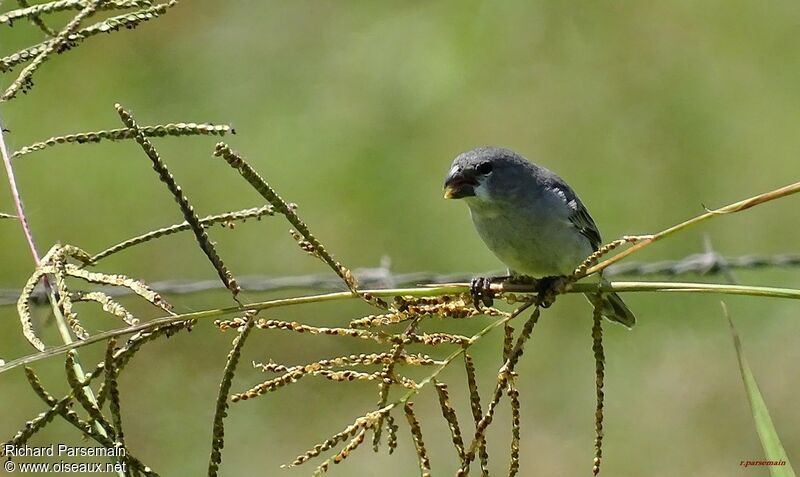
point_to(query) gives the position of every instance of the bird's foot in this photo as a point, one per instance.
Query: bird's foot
(480, 289)
(548, 288)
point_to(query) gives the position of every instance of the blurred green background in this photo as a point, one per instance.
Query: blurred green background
(354, 110)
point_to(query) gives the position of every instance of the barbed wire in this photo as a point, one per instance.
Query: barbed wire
(706, 263)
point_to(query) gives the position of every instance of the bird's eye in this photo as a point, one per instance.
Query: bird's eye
(484, 168)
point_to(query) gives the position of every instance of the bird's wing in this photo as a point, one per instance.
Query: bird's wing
(579, 217)
(585, 225)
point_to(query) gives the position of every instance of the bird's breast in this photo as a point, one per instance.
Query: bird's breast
(536, 241)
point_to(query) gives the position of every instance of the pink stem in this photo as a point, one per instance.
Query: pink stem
(12, 182)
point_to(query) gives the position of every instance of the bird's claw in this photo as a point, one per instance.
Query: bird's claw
(480, 289)
(547, 288)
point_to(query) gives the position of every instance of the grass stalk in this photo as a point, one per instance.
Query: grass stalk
(766, 292)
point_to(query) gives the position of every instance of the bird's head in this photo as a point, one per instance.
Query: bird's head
(486, 174)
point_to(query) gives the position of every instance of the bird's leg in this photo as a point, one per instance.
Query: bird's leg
(547, 288)
(480, 288)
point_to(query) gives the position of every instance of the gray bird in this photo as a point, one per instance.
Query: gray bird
(529, 218)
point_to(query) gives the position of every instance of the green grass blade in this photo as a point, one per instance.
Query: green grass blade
(773, 449)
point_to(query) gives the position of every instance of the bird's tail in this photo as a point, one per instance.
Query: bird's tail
(613, 308)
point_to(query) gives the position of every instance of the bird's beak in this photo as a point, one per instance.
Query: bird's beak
(459, 184)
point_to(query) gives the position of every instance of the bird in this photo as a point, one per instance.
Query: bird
(531, 220)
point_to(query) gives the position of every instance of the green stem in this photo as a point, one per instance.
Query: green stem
(422, 291)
